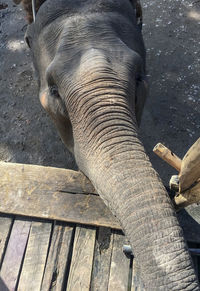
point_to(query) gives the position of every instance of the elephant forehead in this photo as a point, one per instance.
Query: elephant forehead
(51, 9)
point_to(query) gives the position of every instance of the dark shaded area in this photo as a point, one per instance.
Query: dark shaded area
(189, 219)
(3, 286)
(3, 6)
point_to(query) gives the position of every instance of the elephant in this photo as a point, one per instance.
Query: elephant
(89, 56)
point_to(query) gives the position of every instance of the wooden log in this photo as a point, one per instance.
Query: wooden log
(35, 257)
(190, 196)
(168, 156)
(41, 192)
(82, 259)
(119, 269)
(57, 262)
(190, 167)
(102, 259)
(14, 253)
(186, 198)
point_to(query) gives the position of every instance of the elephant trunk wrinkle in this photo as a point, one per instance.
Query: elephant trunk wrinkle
(109, 152)
(154, 232)
(144, 209)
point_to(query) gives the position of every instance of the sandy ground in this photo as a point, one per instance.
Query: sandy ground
(172, 114)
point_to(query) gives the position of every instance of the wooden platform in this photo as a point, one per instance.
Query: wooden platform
(57, 234)
(45, 255)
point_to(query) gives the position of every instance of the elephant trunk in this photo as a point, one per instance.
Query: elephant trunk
(109, 152)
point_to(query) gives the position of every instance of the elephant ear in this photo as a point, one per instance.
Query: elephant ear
(138, 8)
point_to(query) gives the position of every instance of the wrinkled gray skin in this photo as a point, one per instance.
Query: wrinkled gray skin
(90, 60)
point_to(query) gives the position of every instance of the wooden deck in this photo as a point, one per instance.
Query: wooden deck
(56, 236)
(45, 255)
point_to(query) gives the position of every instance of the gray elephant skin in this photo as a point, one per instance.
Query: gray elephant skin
(89, 57)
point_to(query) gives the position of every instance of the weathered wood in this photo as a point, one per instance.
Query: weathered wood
(168, 156)
(190, 167)
(35, 257)
(5, 227)
(102, 259)
(119, 270)
(82, 259)
(186, 198)
(190, 196)
(174, 183)
(55, 269)
(137, 284)
(31, 177)
(39, 192)
(14, 253)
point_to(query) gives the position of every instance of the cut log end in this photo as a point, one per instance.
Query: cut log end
(168, 156)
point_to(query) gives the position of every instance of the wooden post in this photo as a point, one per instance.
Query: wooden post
(190, 167)
(187, 183)
(168, 156)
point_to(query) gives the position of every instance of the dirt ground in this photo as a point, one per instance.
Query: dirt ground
(172, 113)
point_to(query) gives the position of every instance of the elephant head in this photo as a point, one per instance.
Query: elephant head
(90, 60)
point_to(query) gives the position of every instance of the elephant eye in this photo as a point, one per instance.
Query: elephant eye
(28, 41)
(54, 91)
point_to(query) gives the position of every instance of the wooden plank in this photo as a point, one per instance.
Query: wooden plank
(35, 257)
(190, 167)
(26, 189)
(102, 260)
(137, 284)
(82, 259)
(56, 266)
(119, 270)
(14, 253)
(29, 178)
(5, 227)
(168, 156)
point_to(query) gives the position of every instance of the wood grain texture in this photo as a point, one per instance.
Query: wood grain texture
(102, 260)
(119, 270)
(30, 178)
(82, 259)
(137, 284)
(35, 257)
(5, 227)
(14, 253)
(55, 269)
(190, 167)
(25, 190)
(168, 156)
